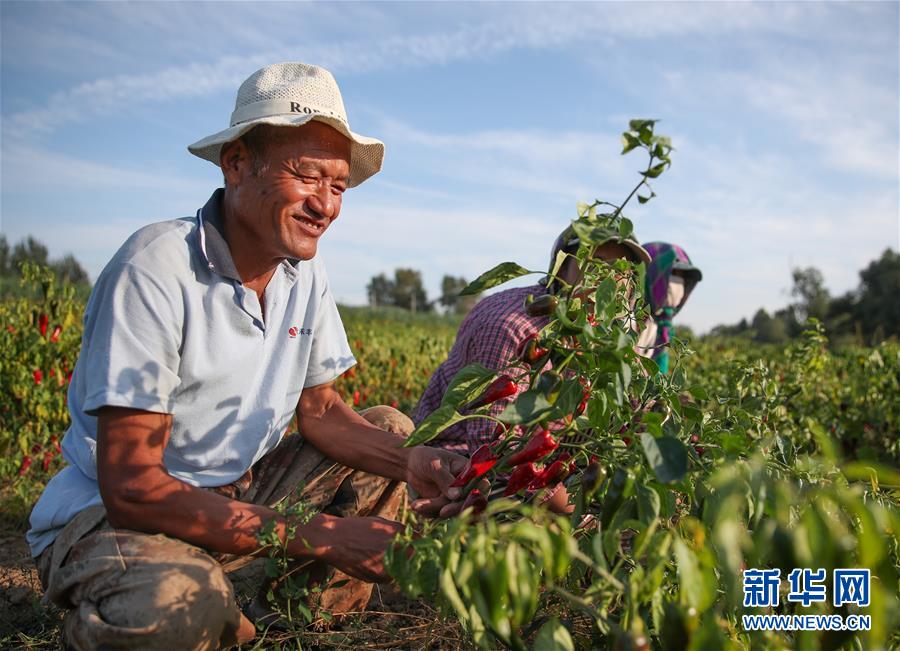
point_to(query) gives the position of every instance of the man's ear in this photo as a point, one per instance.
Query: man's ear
(235, 161)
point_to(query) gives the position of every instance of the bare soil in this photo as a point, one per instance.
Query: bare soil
(391, 621)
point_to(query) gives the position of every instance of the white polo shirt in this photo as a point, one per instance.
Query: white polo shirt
(170, 328)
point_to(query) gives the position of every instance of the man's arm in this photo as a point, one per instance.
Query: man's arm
(139, 494)
(341, 434)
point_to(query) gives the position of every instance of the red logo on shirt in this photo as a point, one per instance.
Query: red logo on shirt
(293, 331)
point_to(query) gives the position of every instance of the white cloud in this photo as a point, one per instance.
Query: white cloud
(35, 169)
(528, 27)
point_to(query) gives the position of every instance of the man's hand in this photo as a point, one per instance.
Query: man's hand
(357, 545)
(429, 472)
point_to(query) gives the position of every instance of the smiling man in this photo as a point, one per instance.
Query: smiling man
(203, 338)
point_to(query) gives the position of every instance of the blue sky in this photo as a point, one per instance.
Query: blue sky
(498, 119)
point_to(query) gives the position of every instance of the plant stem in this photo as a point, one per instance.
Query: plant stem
(637, 187)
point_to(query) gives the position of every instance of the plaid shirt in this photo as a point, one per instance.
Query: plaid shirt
(492, 334)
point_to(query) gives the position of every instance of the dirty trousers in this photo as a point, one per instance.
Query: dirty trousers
(129, 590)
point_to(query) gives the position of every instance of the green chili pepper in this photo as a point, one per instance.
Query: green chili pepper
(549, 383)
(591, 479)
(541, 306)
(620, 485)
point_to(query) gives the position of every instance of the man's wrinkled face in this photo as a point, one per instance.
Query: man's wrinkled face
(287, 199)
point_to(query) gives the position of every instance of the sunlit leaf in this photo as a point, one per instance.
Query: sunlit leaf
(500, 274)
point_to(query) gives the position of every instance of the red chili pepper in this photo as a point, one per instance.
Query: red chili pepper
(38, 376)
(530, 351)
(26, 464)
(583, 404)
(43, 322)
(55, 441)
(54, 337)
(521, 476)
(502, 387)
(539, 446)
(556, 471)
(48, 457)
(482, 460)
(356, 398)
(476, 500)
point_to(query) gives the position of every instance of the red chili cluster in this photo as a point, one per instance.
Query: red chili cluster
(52, 451)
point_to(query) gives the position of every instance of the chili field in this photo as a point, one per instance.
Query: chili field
(746, 457)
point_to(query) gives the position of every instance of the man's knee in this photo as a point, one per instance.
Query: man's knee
(184, 601)
(389, 419)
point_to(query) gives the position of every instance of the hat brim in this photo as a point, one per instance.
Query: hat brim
(366, 154)
(688, 270)
(634, 247)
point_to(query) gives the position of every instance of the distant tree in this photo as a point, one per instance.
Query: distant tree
(809, 287)
(450, 298)
(5, 269)
(380, 291)
(871, 311)
(28, 250)
(878, 307)
(405, 290)
(841, 317)
(70, 270)
(768, 329)
(408, 291)
(788, 316)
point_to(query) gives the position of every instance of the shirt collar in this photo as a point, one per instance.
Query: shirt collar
(214, 248)
(211, 238)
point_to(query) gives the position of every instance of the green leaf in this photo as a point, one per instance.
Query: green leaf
(690, 579)
(561, 257)
(643, 199)
(553, 636)
(629, 142)
(654, 171)
(650, 366)
(604, 295)
(699, 393)
(666, 455)
(648, 504)
(497, 276)
(570, 396)
(593, 233)
(626, 374)
(872, 471)
(826, 444)
(637, 125)
(652, 420)
(626, 227)
(467, 384)
(530, 406)
(439, 420)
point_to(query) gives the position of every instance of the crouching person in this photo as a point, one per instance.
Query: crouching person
(203, 338)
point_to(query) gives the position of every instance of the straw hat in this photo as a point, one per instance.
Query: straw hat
(290, 95)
